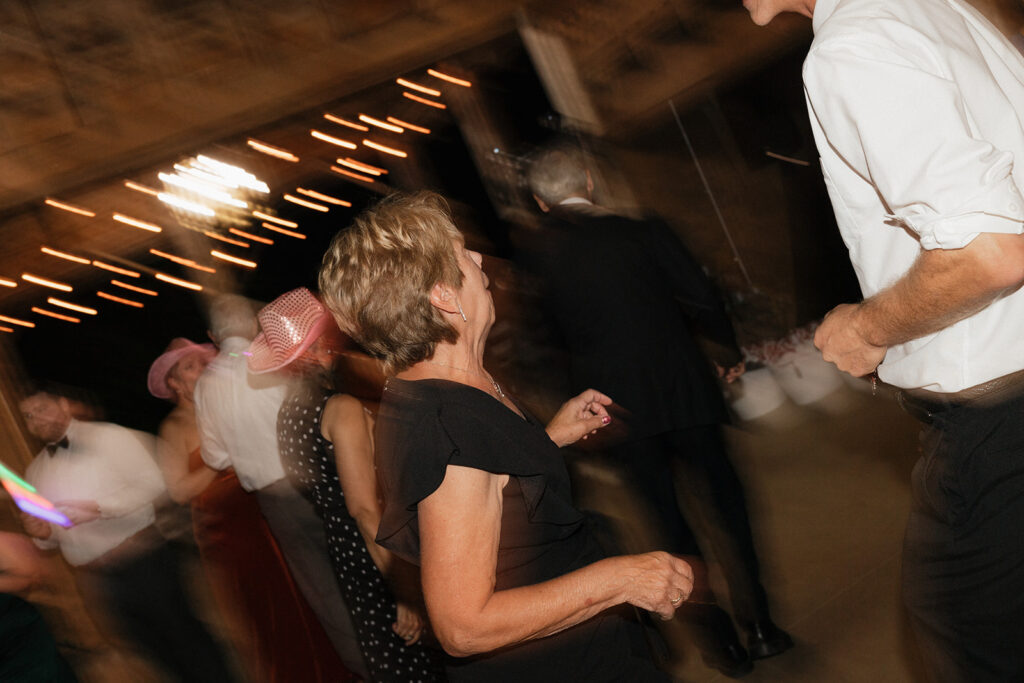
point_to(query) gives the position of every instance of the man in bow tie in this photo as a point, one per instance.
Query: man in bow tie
(104, 478)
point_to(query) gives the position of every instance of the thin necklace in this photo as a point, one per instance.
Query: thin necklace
(497, 389)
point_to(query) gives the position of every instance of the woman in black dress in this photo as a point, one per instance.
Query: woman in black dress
(326, 447)
(475, 489)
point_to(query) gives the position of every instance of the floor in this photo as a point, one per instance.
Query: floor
(828, 491)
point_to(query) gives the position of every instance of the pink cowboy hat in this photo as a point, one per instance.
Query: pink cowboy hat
(290, 323)
(176, 350)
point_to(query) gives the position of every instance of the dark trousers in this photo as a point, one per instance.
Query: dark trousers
(711, 491)
(143, 597)
(963, 561)
(299, 533)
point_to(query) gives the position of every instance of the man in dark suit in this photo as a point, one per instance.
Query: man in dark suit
(624, 294)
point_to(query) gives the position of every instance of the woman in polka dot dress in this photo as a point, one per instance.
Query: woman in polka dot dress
(327, 449)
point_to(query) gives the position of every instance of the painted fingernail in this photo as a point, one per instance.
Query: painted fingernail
(606, 419)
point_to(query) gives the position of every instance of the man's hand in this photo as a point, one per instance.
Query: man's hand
(79, 511)
(732, 374)
(842, 342)
(35, 527)
(579, 417)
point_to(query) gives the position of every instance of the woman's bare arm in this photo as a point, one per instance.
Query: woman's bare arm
(345, 425)
(460, 526)
(172, 455)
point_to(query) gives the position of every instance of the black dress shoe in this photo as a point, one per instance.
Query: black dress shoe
(730, 660)
(765, 639)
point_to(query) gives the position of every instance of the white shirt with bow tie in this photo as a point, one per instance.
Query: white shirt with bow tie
(106, 463)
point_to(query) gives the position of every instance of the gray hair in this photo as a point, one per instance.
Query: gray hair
(556, 173)
(232, 315)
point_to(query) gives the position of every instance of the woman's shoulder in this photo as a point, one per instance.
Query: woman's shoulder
(434, 395)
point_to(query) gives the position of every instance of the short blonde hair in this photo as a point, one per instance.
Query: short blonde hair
(378, 273)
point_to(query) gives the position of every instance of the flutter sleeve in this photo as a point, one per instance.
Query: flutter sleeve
(418, 442)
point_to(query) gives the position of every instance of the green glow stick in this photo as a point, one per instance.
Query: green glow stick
(7, 474)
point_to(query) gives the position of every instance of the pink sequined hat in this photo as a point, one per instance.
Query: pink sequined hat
(179, 347)
(290, 323)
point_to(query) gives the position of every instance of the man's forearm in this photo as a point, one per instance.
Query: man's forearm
(942, 288)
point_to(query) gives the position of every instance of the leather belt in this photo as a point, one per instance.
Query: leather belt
(924, 405)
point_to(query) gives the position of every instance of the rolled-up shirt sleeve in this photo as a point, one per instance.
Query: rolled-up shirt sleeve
(899, 123)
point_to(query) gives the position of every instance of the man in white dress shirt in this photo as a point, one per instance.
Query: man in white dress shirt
(917, 108)
(237, 417)
(104, 478)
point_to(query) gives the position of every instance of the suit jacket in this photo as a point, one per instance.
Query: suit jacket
(624, 293)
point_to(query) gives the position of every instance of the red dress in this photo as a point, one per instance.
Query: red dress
(276, 633)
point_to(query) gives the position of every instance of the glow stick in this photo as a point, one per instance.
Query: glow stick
(18, 492)
(42, 513)
(27, 500)
(6, 474)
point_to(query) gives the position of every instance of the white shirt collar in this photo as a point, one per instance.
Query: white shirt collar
(234, 344)
(574, 200)
(823, 9)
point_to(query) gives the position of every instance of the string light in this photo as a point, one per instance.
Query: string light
(115, 269)
(271, 150)
(410, 126)
(202, 187)
(8, 283)
(416, 86)
(350, 174)
(138, 187)
(275, 219)
(185, 205)
(451, 79)
(181, 283)
(16, 321)
(290, 233)
(423, 100)
(58, 316)
(237, 175)
(250, 236)
(342, 122)
(228, 240)
(187, 262)
(322, 197)
(69, 207)
(309, 205)
(384, 148)
(360, 166)
(6, 329)
(140, 290)
(74, 307)
(64, 255)
(29, 277)
(126, 302)
(233, 259)
(135, 222)
(333, 140)
(380, 124)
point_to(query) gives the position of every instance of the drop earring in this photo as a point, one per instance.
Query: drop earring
(459, 304)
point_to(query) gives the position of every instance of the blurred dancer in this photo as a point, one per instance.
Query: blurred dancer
(237, 418)
(917, 109)
(273, 628)
(104, 478)
(622, 293)
(327, 448)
